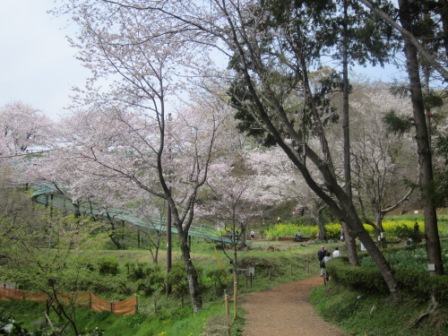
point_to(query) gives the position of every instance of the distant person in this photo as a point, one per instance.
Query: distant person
(298, 236)
(252, 234)
(323, 264)
(321, 254)
(336, 253)
(416, 228)
(417, 235)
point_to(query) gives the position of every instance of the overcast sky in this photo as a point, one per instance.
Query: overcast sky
(37, 65)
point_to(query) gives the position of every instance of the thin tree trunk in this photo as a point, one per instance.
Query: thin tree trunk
(435, 265)
(379, 224)
(348, 234)
(192, 274)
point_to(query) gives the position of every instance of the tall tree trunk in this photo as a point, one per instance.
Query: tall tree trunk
(192, 274)
(435, 265)
(349, 238)
(321, 234)
(444, 15)
(374, 252)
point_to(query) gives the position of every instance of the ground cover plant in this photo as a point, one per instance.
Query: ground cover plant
(395, 228)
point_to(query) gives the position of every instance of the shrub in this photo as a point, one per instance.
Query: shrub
(414, 281)
(108, 265)
(263, 265)
(154, 281)
(177, 278)
(220, 279)
(333, 231)
(137, 271)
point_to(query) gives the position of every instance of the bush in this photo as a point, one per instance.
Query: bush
(138, 271)
(108, 265)
(177, 278)
(220, 279)
(415, 282)
(266, 266)
(402, 231)
(153, 282)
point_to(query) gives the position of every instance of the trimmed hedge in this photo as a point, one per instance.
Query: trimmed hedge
(413, 282)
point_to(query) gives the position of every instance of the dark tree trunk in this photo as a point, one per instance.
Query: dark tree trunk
(444, 15)
(112, 233)
(322, 233)
(348, 234)
(435, 264)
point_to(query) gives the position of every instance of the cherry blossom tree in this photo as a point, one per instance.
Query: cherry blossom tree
(22, 128)
(279, 177)
(123, 147)
(384, 162)
(137, 70)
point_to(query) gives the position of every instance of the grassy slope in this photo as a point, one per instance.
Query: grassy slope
(357, 313)
(285, 263)
(369, 314)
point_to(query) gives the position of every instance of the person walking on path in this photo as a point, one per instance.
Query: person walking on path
(321, 253)
(336, 253)
(285, 310)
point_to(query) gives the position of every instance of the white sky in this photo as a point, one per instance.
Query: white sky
(37, 65)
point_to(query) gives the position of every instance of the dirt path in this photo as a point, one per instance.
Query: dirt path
(285, 310)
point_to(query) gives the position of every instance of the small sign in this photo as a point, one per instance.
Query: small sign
(431, 267)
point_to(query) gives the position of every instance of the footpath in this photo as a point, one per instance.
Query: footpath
(285, 310)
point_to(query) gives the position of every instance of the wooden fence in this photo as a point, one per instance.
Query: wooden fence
(89, 300)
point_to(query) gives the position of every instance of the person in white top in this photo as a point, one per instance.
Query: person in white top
(336, 252)
(252, 234)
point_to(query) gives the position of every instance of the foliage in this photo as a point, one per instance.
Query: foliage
(359, 312)
(276, 231)
(409, 265)
(220, 279)
(8, 326)
(397, 124)
(153, 282)
(108, 265)
(399, 228)
(368, 279)
(177, 278)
